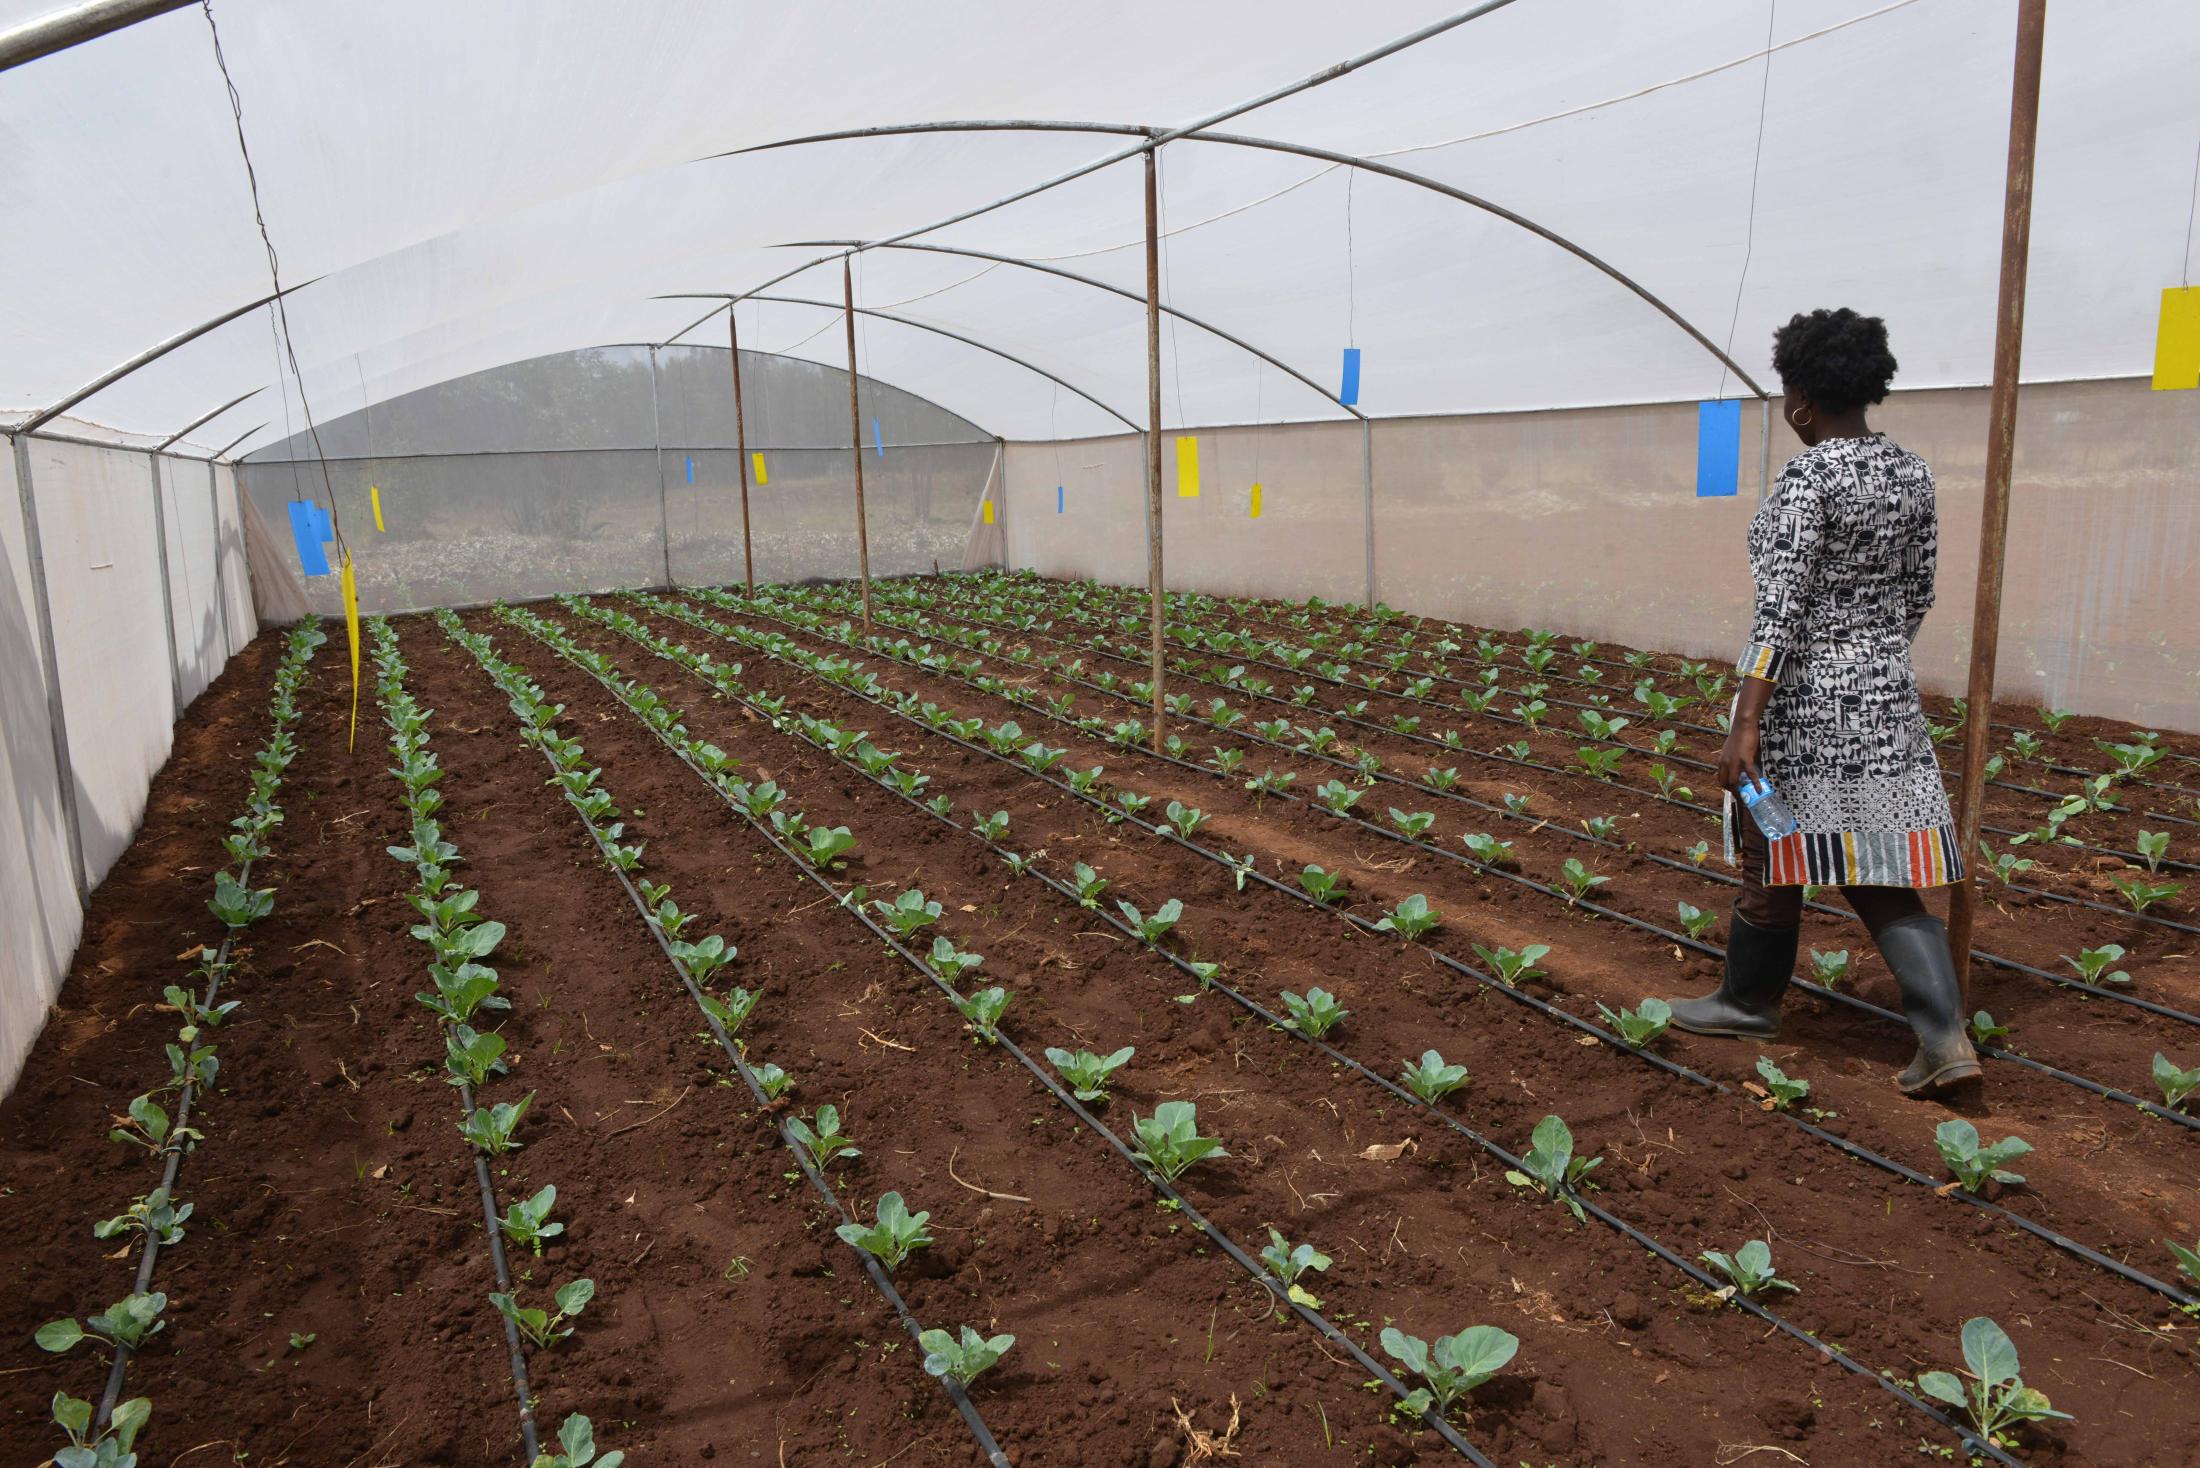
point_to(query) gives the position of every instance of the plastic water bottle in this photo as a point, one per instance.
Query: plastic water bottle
(1768, 810)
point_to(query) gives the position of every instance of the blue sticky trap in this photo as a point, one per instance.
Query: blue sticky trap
(878, 439)
(1718, 448)
(691, 468)
(306, 521)
(1057, 499)
(1350, 392)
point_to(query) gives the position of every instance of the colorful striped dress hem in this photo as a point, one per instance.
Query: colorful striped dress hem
(1925, 858)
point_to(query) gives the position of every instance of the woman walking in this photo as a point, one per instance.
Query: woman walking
(1843, 553)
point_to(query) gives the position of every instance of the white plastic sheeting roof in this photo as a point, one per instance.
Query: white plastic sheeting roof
(468, 185)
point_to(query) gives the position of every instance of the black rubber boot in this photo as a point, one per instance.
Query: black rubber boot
(1916, 949)
(1759, 962)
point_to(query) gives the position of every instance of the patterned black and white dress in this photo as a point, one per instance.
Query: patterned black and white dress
(1843, 551)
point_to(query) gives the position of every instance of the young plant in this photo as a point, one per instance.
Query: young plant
(1699, 853)
(962, 1361)
(1185, 818)
(1431, 1079)
(1288, 1262)
(1551, 1168)
(147, 1125)
(1972, 1164)
(1414, 824)
(1640, 1027)
(824, 847)
(2176, 1084)
(1456, 1365)
(1314, 1013)
(1086, 1072)
(470, 1058)
(2153, 846)
(1749, 1267)
(490, 1127)
(545, 1328)
(908, 914)
(2092, 964)
(1410, 918)
(110, 1447)
(704, 957)
(1337, 796)
(1829, 969)
(1152, 929)
(1090, 884)
(1488, 850)
(983, 1010)
(577, 1448)
(237, 905)
(1578, 880)
(774, 1082)
(732, 1011)
(893, 1236)
(1983, 1029)
(1604, 828)
(1695, 921)
(527, 1221)
(2141, 894)
(1515, 966)
(1783, 1090)
(1169, 1140)
(1996, 1397)
(825, 1141)
(950, 962)
(161, 1220)
(1325, 887)
(130, 1321)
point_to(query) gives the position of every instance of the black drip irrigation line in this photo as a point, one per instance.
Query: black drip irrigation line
(1659, 1062)
(1640, 923)
(983, 1435)
(1222, 1241)
(1339, 1057)
(1185, 666)
(516, 1356)
(149, 1257)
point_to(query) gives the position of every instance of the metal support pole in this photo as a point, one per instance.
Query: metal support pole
(657, 441)
(73, 25)
(1764, 448)
(855, 440)
(221, 575)
(1367, 503)
(2001, 443)
(741, 442)
(57, 719)
(1153, 436)
(167, 594)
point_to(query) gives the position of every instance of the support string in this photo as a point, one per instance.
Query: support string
(1756, 163)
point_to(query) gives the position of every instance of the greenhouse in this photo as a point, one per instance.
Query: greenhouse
(1108, 736)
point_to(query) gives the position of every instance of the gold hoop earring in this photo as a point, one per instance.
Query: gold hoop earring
(1801, 417)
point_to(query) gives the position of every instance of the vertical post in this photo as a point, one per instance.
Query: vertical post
(2001, 443)
(741, 442)
(657, 446)
(1764, 448)
(855, 440)
(57, 719)
(1153, 436)
(221, 573)
(167, 593)
(1367, 502)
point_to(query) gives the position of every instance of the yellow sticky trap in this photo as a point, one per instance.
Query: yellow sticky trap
(2177, 340)
(1187, 467)
(987, 507)
(756, 463)
(1252, 511)
(351, 630)
(374, 494)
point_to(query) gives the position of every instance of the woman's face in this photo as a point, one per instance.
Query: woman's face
(1793, 407)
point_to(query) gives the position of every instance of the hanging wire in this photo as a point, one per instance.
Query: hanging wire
(1176, 355)
(275, 273)
(1351, 269)
(1756, 164)
(282, 388)
(2190, 209)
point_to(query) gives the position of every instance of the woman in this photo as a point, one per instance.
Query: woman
(1842, 551)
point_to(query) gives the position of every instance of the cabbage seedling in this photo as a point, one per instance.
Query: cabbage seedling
(1410, 918)
(1785, 1090)
(1551, 1168)
(2141, 894)
(1315, 1013)
(1325, 887)
(962, 1361)
(1168, 1141)
(732, 1011)
(1698, 854)
(462, 990)
(544, 1328)
(527, 1221)
(1996, 1397)
(1972, 1164)
(238, 905)
(129, 1321)
(950, 962)
(470, 1058)
(2176, 1084)
(1515, 966)
(826, 845)
(1414, 824)
(1604, 828)
(1337, 796)
(107, 1448)
(2092, 964)
(1086, 1072)
(1153, 929)
(1640, 1027)
(1090, 884)
(2187, 1259)
(490, 1127)
(1829, 969)
(1288, 1262)
(1443, 779)
(577, 1448)
(1695, 921)
(1186, 818)
(1983, 1029)
(152, 1215)
(774, 1082)
(826, 1141)
(1432, 1080)
(1518, 804)
(1578, 880)
(893, 1236)
(1268, 782)
(703, 957)
(909, 913)
(1750, 1267)
(1488, 849)
(1456, 1365)
(983, 1010)
(2153, 846)
(196, 1066)
(148, 1126)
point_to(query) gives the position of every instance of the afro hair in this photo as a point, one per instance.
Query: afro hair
(1837, 359)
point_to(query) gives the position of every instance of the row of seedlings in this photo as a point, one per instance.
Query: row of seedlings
(1550, 1166)
(1972, 1161)
(1577, 879)
(1161, 1147)
(105, 1437)
(460, 939)
(699, 961)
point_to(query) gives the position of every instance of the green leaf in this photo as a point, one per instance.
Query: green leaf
(59, 1335)
(1989, 1352)
(1943, 1386)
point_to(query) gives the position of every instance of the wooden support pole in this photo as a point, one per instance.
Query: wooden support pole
(741, 442)
(1153, 436)
(2001, 443)
(855, 441)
